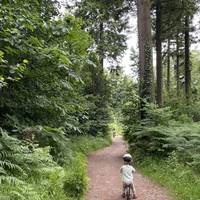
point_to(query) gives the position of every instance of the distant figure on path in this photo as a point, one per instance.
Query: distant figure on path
(114, 134)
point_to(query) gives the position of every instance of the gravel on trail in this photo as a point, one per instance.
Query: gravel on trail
(105, 179)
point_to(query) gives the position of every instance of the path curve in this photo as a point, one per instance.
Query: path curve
(105, 182)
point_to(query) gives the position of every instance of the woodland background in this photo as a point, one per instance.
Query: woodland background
(58, 102)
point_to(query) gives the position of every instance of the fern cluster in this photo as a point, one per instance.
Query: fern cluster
(22, 167)
(184, 140)
(53, 167)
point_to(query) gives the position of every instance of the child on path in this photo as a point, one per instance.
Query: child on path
(127, 175)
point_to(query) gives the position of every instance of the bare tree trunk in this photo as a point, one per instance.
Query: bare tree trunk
(159, 69)
(187, 61)
(177, 67)
(168, 67)
(145, 52)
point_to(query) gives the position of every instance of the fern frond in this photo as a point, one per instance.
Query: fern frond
(2, 171)
(17, 195)
(4, 154)
(10, 180)
(10, 166)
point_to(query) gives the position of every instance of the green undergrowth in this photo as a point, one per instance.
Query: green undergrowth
(161, 141)
(75, 184)
(181, 182)
(35, 175)
(88, 144)
(170, 156)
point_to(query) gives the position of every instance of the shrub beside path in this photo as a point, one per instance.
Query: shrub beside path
(105, 181)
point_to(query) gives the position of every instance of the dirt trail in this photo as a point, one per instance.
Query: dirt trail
(105, 182)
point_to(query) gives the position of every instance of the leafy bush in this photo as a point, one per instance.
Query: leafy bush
(184, 118)
(56, 139)
(154, 116)
(153, 141)
(28, 171)
(189, 111)
(75, 183)
(157, 116)
(58, 74)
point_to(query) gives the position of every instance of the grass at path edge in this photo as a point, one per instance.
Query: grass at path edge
(180, 181)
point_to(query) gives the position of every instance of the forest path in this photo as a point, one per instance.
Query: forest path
(105, 181)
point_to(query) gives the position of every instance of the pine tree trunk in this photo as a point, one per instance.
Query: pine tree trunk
(177, 67)
(145, 52)
(168, 67)
(159, 69)
(187, 60)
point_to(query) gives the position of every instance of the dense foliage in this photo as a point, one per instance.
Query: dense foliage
(32, 173)
(165, 144)
(52, 89)
(57, 98)
(163, 131)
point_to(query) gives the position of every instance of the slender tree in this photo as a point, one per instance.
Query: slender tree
(177, 67)
(190, 8)
(100, 49)
(159, 69)
(170, 24)
(187, 60)
(168, 66)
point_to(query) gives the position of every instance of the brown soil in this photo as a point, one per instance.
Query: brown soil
(105, 180)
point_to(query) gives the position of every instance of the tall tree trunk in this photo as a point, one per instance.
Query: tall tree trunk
(177, 66)
(145, 51)
(168, 66)
(159, 69)
(101, 46)
(187, 61)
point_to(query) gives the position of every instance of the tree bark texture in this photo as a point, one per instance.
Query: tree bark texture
(177, 66)
(168, 67)
(159, 68)
(187, 60)
(100, 46)
(145, 49)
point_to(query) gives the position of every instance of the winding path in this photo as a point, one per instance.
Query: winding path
(105, 183)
